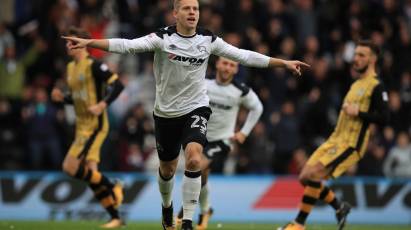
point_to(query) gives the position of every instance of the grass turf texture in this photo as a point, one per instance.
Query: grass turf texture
(88, 225)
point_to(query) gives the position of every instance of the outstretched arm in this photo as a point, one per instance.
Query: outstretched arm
(77, 43)
(293, 66)
(250, 58)
(117, 45)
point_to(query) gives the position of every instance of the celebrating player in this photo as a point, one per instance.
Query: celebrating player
(181, 109)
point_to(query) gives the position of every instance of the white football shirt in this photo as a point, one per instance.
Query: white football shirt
(180, 65)
(225, 101)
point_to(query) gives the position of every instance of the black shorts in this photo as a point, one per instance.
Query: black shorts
(215, 149)
(217, 152)
(172, 133)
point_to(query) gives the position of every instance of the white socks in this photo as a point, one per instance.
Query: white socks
(191, 193)
(166, 189)
(204, 204)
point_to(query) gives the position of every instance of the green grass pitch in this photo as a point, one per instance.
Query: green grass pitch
(80, 225)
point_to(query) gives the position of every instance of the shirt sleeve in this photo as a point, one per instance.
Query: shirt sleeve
(378, 112)
(147, 43)
(255, 107)
(102, 73)
(246, 57)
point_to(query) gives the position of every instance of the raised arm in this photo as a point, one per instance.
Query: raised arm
(117, 45)
(250, 58)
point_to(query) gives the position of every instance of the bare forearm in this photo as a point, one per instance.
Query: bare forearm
(101, 44)
(276, 62)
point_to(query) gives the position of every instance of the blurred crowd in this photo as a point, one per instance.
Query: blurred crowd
(299, 113)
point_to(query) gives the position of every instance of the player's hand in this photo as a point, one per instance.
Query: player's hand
(76, 43)
(351, 109)
(57, 95)
(295, 66)
(239, 137)
(97, 109)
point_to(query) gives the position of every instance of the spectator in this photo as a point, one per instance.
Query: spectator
(133, 159)
(405, 90)
(11, 153)
(399, 115)
(6, 39)
(372, 163)
(306, 20)
(314, 111)
(297, 162)
(40, 118)
(286, 137)
(260, 150)
(13, 69)
(398, 162)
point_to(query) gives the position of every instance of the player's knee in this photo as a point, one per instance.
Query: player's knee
(193, 163)
(167, 171)
(303, 178)
(310, 175)
(69, 168)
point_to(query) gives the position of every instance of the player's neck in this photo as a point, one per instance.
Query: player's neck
(370, 72)
(185, 31)
(222, 82)
(80, 56)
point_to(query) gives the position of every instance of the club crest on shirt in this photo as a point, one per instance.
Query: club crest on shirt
(81, 78)
(332, 151)
(360, 92)
(202, 49)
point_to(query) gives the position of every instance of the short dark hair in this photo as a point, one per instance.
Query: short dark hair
(78, 32)
(368, 43)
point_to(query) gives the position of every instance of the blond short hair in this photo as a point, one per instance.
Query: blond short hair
(176, 4)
